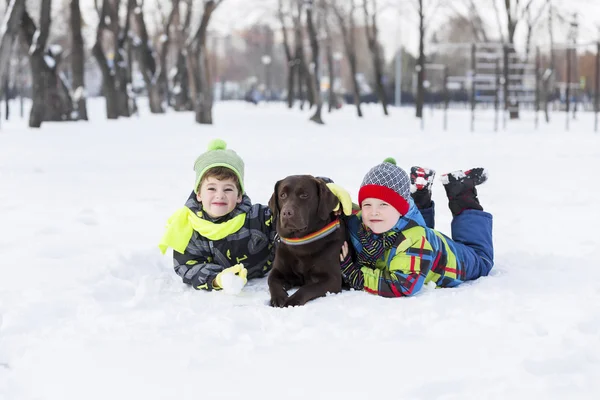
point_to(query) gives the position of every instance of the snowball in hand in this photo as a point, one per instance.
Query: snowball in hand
(232, 284)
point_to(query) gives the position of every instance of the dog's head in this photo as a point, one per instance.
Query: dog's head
(301, 204)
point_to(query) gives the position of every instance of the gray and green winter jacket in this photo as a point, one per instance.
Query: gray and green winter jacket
(203, 246)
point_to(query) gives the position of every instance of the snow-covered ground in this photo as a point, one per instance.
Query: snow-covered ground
(89, 309)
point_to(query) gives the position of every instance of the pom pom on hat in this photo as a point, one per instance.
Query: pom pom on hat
(217, 155)
(389, 183)
(217, 144)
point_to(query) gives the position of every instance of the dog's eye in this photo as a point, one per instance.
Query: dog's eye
(282, 195)
(304, 196)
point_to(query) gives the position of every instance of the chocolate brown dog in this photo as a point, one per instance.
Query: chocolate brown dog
(311, 236)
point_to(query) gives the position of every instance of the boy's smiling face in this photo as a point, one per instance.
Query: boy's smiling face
(218, 197)
(378, 215)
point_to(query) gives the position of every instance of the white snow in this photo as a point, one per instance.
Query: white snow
(90, 309)
(50, 62)
(55, 49)
(79, 93)
(34, 42)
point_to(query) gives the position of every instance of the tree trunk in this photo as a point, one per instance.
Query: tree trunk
(303, 70)
(331, 97)
(205, 97)
(108, 83)
(116, 79)
(291, 73)
(11, 21)
(162, 79)
(200, 67)
(549, 80)
(349, 42)
(356, 91)
(181, 86)
(148, 66)
(304, 79)
(512, 21)
(372, 33)
(379, 82)
(314, 76)
(77, 59)
(421, 63)
(122, 84)
(300, 82)
(6, 99)
(51, 100)
(291, 70)
(128, 48)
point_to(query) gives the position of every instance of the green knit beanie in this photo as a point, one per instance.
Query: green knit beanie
(217, 155)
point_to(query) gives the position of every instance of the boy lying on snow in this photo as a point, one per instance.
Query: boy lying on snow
(219, 238)
(397, 250)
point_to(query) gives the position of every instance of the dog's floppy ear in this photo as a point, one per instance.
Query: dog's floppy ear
(327, 200)
(274, 203)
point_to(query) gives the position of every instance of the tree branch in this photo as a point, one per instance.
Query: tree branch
(497, 11)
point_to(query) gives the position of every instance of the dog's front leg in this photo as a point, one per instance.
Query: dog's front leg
(277, 288)
(324, 283)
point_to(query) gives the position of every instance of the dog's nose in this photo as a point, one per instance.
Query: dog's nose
(287, 213)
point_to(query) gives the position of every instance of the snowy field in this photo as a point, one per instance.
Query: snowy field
(90, 309)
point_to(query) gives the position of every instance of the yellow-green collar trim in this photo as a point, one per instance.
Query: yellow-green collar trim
(182, 224)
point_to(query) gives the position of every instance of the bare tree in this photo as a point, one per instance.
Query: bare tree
(426, 11)
(153, 66)
(498, 21)
(292, 65)
(303, 74)
(476, 23)
(372, 32)
(10, 27)
(516, 11)
(77, 61)
(331, 66)
(51, 100)
(421, 62)
(548, 76)
(199, 66)
(347, 26)
(116, 79)
(181, 76)
(463, 27)
(531, 21)
(316, 64)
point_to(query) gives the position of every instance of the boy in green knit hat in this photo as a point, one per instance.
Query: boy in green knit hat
(219, 238)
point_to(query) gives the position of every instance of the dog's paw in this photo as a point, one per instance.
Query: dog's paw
(279, 301)
(294, 301)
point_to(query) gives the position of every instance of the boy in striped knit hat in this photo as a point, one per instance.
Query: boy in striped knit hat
(397, 250)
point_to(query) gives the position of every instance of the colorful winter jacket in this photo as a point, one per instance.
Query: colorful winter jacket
(418, 255)
(203, 247)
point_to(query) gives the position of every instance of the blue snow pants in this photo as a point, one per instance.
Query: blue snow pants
(471, 240)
